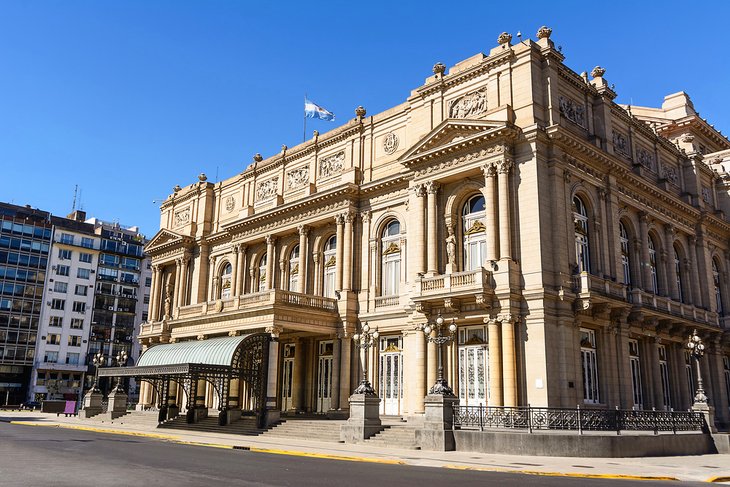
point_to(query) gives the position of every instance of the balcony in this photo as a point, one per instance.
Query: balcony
(451, 290)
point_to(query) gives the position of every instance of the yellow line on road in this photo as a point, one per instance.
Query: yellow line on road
(723, 478)
(564, 474)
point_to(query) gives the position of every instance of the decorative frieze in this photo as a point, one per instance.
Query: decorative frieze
(670, 174)
(266, 189)
(645, 158)
(620, 143)
(297, 177)
(573, 111)
(706, 194)
(469, 105)
(331, 165)
(182, 217)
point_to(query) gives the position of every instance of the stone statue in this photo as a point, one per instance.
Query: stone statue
(168, 300)
(451, 246)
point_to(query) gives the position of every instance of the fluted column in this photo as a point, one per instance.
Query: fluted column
(432, 231)
(270, 260)
(303, 253)
(418, 248)
(505, 213)
(154, 294)
(211, 278)
(340, 222)
(347, 252)
(234, 271)
(509, 363)
(240, 283)
(697, 298)
(644, 239)
(490, 203)
(670, 269)
(178, 279)
(495, 363)
(336, 367)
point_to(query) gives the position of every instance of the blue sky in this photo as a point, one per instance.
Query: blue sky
(128, 99)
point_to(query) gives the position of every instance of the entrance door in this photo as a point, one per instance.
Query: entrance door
(473, 375)
(287, 377)
(324, 377)
(390, 376)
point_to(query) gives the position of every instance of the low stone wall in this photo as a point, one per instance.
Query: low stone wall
(588, 445)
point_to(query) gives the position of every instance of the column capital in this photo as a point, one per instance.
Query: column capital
(432, 187)
(419, 190)
(211, 259)
(349, 216)
(340, 219)
(505, 166)
(270, 239)
(236, 248)
(274, 331)
(489, 169)
(643, 217)
(669, 230)
(303, 231)
(365, 215)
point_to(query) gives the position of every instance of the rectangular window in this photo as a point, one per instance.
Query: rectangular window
(590, 366)
(146, 299)
(64, 254)
(60, 287)
(84, 257)
(726, 364)
(53, 339)
(130, 263)
(108, 259)
(55, 321)
(74, 341)
(77, 323)
(81, 290)
(51, 357)
(82, 273)
(72, 358)
(87, 242)
(67, 239)
(79, 307)
(63, 270)
(664, 376)
(58, 303)
(635, 362)
(148, 282)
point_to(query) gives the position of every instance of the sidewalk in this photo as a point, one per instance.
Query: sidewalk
(706, 468)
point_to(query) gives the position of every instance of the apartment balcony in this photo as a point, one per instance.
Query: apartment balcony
(456, 290)
(290, 310)
(592, 290)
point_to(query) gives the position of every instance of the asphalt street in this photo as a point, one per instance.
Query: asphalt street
(35, 456)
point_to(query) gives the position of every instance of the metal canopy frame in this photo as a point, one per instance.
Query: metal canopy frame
(249, 364)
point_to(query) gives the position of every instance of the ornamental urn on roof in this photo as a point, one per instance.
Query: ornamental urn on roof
(504, 38)
(202, 177)
(598, 72)
(360, 112)
(258, 157)
(544, 32)
(439, 68)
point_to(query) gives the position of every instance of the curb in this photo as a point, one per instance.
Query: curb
(724, 478)
(566, 474)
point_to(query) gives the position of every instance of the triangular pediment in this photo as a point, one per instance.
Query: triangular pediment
(166, 239)
(453, 134)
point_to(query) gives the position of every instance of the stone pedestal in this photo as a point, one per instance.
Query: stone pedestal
(92, 404)
(117, 406)
(364, 419)
(438, 424)
(196, 414)
(172, 411)
(709, 414)
(272, 417)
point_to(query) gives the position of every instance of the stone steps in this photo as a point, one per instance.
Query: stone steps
(395, 436)
(244, 426)
(318, 430)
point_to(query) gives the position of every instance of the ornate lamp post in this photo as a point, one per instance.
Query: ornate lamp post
(365, 340)
(697, 350)
(121, 360)
(440, 387)
(98, 360)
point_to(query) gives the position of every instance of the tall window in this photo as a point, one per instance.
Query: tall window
(690, 374)
(635, 361)
(580, 221)
(226, 281)
(330, 266)
(653, 267)
(716, 280)
(294, 269)
(589, 362)
(625, 256)
(390, 245)
(678, 275)
(664, 375)
(726, 366)
(475, 236)
(262, 273)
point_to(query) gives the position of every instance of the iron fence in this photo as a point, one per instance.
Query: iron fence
(577, 419)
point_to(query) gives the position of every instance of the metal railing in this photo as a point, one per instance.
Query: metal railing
(578, 419)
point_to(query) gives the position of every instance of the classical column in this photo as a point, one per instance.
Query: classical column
(298, 375)
(211, 278)
(697, 298)
(670, 269)
(303, 253)
(509, 363)
(233, 394)
(345, 369)
(417, 224)
(234, 271)
(495, 363)
(432, 188)
(270, 260)
(154, 294)
(200, 393)
(644, 239)
(419, 373)
(505, 223)
(340, 222)
(272, 382)
(490, 203)
(240, 283)
(431, 363)
(178, 280)
(658, 392)
(336, 367)
(347, 252)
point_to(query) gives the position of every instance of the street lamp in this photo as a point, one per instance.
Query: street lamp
(697, 350)
(365, 340)
(121, 359)
(441, 387)
(98, 361)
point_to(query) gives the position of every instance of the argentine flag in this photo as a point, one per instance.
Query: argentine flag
(312, 110)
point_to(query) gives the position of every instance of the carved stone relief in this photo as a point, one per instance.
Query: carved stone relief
(266, 189)
(297, 177)
(230, 204)
(670, 174)
(573, 111)
(182, 217)
(331, 165)
(706, 194)
(390, 143)
(645, 158)
(620, 143)
(471, 104)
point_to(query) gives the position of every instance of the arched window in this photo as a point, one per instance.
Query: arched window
(580, 221)
(262, 273)
(475, 236)
(678, 275)
(330, 266)
(294, 269)
(716, 280)
(653, 267)
(625, 255)
(390, 252)
(226, 282)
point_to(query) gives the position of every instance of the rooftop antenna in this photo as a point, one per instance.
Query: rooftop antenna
(216, 173)
(73, 205)
(81, 204)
